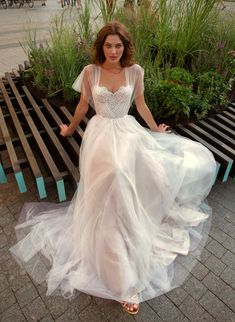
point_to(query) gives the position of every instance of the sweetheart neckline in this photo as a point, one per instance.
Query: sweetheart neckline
(113, 93)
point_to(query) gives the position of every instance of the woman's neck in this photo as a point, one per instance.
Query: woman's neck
(110, 66)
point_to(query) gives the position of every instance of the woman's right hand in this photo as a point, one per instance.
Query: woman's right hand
(65, 130)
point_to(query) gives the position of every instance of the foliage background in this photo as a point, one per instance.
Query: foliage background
(187, 49)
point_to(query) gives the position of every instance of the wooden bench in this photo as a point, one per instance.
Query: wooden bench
(33, 126)
(31, 138)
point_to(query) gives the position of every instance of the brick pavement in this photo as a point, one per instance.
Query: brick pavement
(207, 295)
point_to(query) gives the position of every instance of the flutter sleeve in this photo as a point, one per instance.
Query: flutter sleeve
(83, 84)
(136, 80)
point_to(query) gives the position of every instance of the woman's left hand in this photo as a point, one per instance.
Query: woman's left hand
(163, 128)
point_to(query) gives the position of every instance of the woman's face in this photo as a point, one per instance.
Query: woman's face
(113, 48)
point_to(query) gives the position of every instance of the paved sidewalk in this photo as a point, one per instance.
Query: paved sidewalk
(207, 295)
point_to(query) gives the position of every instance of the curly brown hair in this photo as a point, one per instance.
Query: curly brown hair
(114, 28)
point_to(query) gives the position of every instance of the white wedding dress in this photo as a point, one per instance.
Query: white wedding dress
(135, 223)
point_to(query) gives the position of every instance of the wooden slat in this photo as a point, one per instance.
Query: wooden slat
(51, 164)
(69, 116)
(27, 149)
(217, 133)
(16, 140)
(231, 109)
(225, 129)
(223, 159)
(70, 140)
(12, 155)
(225, 121)
(227, 150)
(53, 138)
(230, 116)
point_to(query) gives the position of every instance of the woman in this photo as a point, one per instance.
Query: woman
(138, 211)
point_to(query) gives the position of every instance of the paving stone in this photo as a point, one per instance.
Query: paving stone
(215, 248)
(199, 271)
(4, 255)
(69, 316)
(214, 306)
(230, 216)
(12, 314)
(226, 226)
(205, 317)
(26, 294)
(204, 255)
(177, 295)
(90, 312)
(3, 211)
(229, 243)
(217, 234)
(215, 265)
(6, 218)
(3, 239)
(218, 210)
(227, 295)
(35, 310)
(209, 239)
(229, 259)
(146, 313)
(18, 279)
(57, 305)
(80, 302)
(7, 299)
(48, 318)
(214, 283)
(166, 309)
(195, 288)
(3, 282)
(228, 276)
(191, 308)
(226, 316)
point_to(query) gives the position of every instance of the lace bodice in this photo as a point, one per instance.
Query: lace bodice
(112, 105)
(106, 103)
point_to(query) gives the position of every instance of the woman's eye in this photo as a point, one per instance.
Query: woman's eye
(119, 46)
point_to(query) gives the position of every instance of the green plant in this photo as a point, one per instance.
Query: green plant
(167, 99)
(180, 75)
(212, 86)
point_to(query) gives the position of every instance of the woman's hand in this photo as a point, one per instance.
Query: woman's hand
(65, 130)
(163, 128)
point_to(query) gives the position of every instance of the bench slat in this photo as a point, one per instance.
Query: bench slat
(12, 155)
(27, 149)
(73, 144)
(52, 166)
(65, 157)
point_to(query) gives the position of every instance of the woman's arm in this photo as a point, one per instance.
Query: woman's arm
(80, 112)
(145, 113)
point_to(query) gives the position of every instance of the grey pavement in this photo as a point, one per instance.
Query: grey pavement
(207, 295)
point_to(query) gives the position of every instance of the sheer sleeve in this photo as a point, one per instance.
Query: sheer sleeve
(139, 81)
(83, 84)
(136, 80)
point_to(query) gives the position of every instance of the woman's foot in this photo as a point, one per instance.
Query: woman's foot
(131, 308)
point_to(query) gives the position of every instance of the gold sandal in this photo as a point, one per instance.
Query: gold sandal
(131, 307)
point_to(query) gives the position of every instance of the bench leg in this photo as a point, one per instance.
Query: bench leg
(41, 187)
(3, 178)
(61, 190)
(20, 181)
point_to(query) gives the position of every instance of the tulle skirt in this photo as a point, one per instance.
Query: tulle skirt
(136, 223)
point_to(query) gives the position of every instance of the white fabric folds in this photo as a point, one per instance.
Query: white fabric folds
(138, 220)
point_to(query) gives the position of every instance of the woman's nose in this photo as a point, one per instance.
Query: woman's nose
(113, 50)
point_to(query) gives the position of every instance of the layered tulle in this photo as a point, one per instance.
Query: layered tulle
(137, 222)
